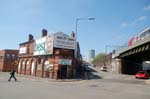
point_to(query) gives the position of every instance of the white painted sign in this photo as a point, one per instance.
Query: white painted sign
(48, 66)
(23, 50)
(63, 41)
(65, 61)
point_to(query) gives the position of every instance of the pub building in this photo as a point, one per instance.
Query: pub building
(52, 56)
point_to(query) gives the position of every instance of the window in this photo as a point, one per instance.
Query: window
(23, 65)
(1, 58)
(8, 56)
(39, 60)
(13, 56)
(28, 65)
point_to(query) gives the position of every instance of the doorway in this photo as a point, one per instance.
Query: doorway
(63, 72)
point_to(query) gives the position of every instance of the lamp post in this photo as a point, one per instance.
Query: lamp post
(77, 20)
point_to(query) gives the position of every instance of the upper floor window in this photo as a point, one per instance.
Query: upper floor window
(8, 56)
(13, 56)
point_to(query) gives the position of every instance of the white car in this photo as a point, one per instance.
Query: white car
(103, 68)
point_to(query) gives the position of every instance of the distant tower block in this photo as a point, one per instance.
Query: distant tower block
(91, 55)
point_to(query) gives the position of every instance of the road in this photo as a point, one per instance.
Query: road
(102, 85)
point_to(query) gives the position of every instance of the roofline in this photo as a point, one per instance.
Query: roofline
(143, 30)
(26, 42)
(9, 50)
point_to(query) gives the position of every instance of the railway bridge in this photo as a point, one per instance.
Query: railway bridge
(135, 57)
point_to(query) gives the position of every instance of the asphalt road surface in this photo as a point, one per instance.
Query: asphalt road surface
(101, 85)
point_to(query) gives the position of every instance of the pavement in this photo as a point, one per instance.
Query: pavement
(147, 82)
(47, 79)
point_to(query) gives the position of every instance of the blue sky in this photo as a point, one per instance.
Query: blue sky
(115, 21)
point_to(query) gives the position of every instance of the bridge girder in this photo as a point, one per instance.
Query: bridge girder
(139, 51)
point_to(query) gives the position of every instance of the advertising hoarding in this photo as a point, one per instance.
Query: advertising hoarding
(40, 46)
(43, 46)
(64, 41)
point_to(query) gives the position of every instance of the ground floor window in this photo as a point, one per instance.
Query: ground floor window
(19, 67)
(32, 68)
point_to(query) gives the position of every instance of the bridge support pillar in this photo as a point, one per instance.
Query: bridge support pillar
(116, 66)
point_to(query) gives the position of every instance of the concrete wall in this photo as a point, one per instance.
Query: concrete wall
(116, 66)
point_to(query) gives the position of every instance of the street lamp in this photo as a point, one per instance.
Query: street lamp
(77, 20)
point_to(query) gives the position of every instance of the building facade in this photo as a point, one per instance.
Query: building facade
(8, 60)
(50, 56)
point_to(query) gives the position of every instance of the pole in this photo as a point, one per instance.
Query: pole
(75, 54)
(76, 33)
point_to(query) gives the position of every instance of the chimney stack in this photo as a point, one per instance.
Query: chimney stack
(44, 32)
(30, 37)
(73, 34)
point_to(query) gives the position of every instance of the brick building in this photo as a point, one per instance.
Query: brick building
(50, 56)
(8, 60)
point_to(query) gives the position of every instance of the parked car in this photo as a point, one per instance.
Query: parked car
(103, 68)
(142, 75)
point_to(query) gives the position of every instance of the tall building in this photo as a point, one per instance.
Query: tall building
(91, 55)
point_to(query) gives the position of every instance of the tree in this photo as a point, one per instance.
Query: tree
(99, 60)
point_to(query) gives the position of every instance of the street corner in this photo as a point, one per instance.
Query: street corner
(32, 78)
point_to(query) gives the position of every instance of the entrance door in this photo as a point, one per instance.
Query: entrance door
(63, 72)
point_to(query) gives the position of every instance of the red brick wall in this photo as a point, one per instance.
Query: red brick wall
(2, 55)
(28, 66)
(8, 61)
(39, 67)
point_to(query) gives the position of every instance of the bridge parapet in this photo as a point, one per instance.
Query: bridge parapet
(136, 44)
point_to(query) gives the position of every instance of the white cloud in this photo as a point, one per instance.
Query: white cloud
(134, 22)
(147, 8)
(124, 24)
(138, 20)
(142, 18)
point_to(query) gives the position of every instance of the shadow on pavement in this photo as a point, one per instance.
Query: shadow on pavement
(91, 74)
(94, 76)
(92, 70)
